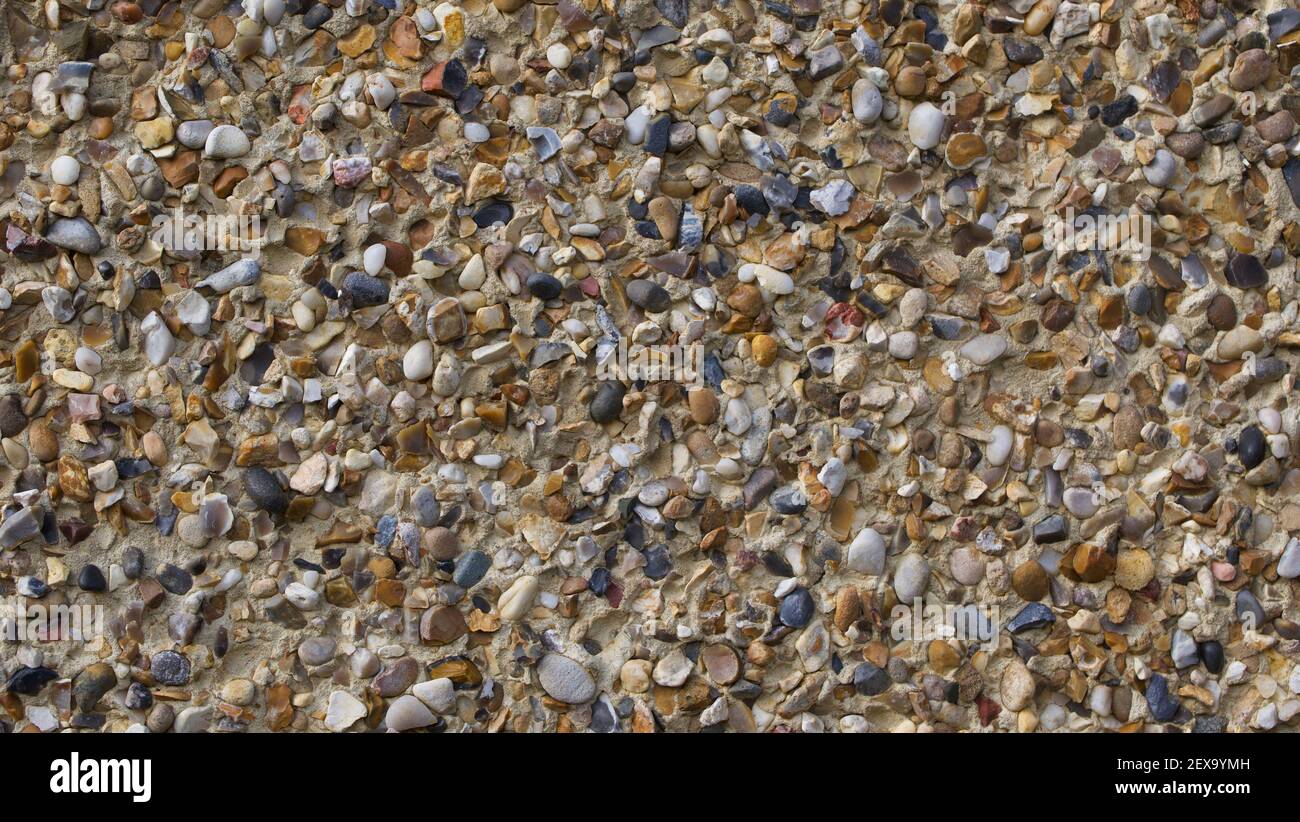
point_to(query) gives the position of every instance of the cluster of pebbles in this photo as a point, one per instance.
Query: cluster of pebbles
(378, 469)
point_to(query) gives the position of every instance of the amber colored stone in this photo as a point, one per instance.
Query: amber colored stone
(27, 361)
(358, 41)
(1092, 563)
(747, 299)
(299, 508)
(764, 349)
(493, 414)
(1110, 313)
(279, 708)
(263, 449)
(304, 240)
(965, 149)
(390, 592)
(848, 607)
(151, 592)
(338, 591)
(1041, 360)
(460, 670)
(1253, 561)
(341, 532)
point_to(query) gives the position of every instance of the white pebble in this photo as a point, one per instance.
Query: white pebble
(65, 170)
(559, 56)
(226, 142)
(925, 126)
(999, 448)
(88, 360)
(373, 259)
(417, 365)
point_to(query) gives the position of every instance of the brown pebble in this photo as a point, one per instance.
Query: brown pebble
(1030, 581)
(1221, 313)
(703, 404)
(441, 543)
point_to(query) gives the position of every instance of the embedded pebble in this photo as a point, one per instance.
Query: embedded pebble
(547, 367)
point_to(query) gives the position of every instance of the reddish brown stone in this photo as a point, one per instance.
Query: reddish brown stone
(227, 180)
(181, 170)
(151, 592)
(1057, 315)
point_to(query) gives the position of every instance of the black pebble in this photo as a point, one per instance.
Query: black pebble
(263, 488)
(656, 137)
(1246, 271)
(1250, 446)
(12, 417)
(607, 405)
(623, 81)
(1021, 52)
(657, 562)
(1051, 529)
(1212, 656)
(1112, 114)
(1163, 706)
(1033, 615)
(92, 579)
(176, 580)
(29, 681)
(751, 199)
(649, 295)
(365, 290)
(544, 286)
(1139, 300)
(496, 211)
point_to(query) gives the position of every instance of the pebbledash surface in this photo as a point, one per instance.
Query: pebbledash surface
(315, 323)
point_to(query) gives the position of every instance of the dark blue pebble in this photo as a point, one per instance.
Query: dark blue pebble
(385, 530)
(1033, 615)
(29, 681)
(170, 668)
(471, 568)
(365, 290)
(797, 608)
(870, 680)
(657, 562)
(496, 211)
(1163, 706)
